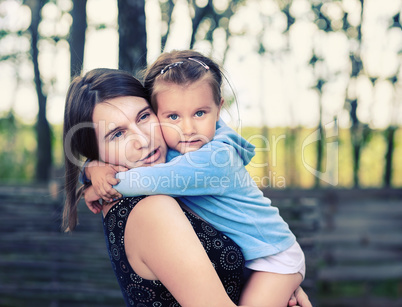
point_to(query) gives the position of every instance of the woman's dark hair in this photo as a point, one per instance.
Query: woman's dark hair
(182, 67)
(79, 138)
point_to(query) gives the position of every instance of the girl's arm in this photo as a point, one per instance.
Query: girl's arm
(92, 200)
(102, 177)
(202, 172)
(299, 298)
(161, 244)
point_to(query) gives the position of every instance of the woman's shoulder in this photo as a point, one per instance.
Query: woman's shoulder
(153, 209)
(156, 200)
(145, 205)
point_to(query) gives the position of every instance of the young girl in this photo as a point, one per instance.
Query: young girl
(206, 170)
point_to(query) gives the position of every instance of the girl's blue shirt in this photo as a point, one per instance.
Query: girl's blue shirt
(214, 183)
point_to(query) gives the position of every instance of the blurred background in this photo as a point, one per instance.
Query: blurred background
(315, 85)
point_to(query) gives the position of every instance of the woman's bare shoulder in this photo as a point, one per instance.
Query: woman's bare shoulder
(156, 204)
(154, 211)
(157, 199)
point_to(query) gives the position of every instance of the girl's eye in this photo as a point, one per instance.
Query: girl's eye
(199, 113)
(173, 117)
(117, 135)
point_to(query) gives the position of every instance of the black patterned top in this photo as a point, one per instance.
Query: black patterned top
(224, 254)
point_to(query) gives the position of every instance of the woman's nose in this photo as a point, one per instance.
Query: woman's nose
(139, 140)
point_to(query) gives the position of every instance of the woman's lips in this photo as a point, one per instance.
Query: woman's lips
(152, 157)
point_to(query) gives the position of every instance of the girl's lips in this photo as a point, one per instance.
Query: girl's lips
(190, 142)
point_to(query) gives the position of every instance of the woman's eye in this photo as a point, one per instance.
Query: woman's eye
(144, 116)
(199, 113)
(173, 117)
(117, 135)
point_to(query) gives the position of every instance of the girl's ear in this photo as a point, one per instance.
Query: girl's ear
(220, 107)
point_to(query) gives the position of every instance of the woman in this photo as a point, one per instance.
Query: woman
(153, 243)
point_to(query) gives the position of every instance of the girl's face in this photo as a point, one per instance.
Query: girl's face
(188, 114)
(128, 133)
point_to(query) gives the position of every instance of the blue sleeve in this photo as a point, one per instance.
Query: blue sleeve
(202, 172)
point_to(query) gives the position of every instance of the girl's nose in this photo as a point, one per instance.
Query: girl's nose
(188, 127)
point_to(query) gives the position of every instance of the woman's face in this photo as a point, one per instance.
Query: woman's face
(128, 133)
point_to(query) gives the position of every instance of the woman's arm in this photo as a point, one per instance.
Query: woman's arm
(161, 244)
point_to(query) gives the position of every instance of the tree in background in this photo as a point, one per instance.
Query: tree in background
(213, 18)
(44, 85)
(390, 131)
(132, 36)
(210, 23)
(359, 131)
(167, 11)
(292, 135)
(77, 36)
(264, 126)
(206, 17)
(318, 63)
(43, 132)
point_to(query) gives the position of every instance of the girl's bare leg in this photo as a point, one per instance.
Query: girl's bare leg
(265, 289)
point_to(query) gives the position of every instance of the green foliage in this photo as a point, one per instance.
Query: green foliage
(389, 288)
(282, 171)
(18, 156)
(17, 150)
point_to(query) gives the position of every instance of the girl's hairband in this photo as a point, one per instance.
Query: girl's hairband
(170, 66)
(200, 62)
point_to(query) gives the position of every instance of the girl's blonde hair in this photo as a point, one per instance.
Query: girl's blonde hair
(182, 67)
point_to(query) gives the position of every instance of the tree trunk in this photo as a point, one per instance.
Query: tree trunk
(77, 36)
(319, 145)
(356, 137)
(132, 35)
(200, 14)
(44, 146)
(356, 124)
(390, 135)
(290, 162)
(168, 7)
(356, 162)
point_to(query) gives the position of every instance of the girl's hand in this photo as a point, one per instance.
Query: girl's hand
(102, 176)
(299, 298)
(92, 200)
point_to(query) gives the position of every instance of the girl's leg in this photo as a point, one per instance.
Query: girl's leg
(265, 289)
